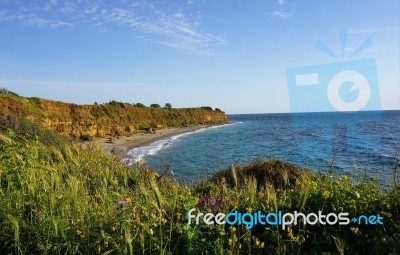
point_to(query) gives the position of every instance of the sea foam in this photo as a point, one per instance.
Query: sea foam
(138, 154)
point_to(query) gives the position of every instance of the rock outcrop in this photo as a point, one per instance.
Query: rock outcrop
(113, 118)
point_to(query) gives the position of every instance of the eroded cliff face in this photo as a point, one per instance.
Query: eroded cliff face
(106, 119)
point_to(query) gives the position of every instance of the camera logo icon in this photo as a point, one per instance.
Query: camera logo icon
(347, 87)
(343, 86)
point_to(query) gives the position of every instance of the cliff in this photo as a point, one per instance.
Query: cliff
(113, 118)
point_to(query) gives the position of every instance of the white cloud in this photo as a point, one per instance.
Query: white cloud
(282, 2)
(156, 21)
(282, 14)
(172, 30)
(179, 15)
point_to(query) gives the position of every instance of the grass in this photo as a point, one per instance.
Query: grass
(57, 198)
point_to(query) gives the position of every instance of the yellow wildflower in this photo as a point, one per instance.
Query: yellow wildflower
(326, 194)
(355, 230)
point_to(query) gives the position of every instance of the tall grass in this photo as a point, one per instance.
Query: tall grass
(63, 199)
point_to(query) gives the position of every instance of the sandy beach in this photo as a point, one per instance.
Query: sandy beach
(121, 145)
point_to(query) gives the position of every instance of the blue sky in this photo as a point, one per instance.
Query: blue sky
(227, 54)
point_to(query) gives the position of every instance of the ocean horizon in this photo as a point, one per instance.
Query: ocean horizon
(354, 143)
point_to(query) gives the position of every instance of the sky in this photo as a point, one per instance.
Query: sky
(230, 54)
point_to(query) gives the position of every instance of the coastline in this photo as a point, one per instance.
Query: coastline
(121, 145)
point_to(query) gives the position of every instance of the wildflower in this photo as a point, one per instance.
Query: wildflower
(355, 230)
(249, 209)
(206, 201)
(80, 234)
(128, 200)
(122, 203)
(203, 240)
(297, 182)
(232, 228)
(326, 194)
(262, 245)
(154, 204)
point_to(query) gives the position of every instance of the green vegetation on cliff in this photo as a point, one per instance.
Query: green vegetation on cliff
(57, 198)
(113, 118)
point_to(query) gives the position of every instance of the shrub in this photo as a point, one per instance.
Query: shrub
(208, 108)
(147, 126)
(140, 105)
(29, 130)
(5, 91)
(155, 106)
(167, 106)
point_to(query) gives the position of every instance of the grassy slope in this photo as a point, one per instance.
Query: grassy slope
(56, 198)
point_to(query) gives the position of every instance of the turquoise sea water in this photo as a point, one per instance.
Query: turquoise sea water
(366, 141)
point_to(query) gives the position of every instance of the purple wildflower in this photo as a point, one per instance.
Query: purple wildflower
(122, 203)
(209, 202)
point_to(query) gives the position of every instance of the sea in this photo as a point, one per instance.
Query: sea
(363, 143)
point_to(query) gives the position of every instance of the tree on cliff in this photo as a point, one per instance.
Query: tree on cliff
(140, 105)
(155, 106)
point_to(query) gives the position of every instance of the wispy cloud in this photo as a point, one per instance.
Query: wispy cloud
(157, 21)
(282, 2)
(282, 14)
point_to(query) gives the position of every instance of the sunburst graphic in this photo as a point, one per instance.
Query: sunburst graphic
(343, 40)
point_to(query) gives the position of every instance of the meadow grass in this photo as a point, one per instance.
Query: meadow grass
(63, 199)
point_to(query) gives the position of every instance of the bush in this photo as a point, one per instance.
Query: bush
(155, 106)
(5, 91)
(146, 126)
(29, 130)
(208, 108)
(167, 106)
(140, 105)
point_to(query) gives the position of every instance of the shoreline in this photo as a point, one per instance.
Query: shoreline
(123, 144)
